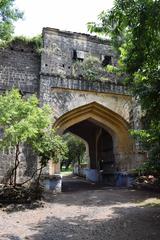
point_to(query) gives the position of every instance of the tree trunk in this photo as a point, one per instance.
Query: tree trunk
(38, 179)
(16, 163)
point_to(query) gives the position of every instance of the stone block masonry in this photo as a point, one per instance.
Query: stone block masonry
(19, 67)
(104, 104)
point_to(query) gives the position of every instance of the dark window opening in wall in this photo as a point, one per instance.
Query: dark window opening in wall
(106, 60)
(74, 54)
(78, 55)
(80, 59)
(80, 76)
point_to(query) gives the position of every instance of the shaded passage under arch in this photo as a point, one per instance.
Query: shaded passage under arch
(111, 149)
(100, 144)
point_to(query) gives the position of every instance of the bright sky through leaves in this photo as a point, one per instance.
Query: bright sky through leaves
(71, 15)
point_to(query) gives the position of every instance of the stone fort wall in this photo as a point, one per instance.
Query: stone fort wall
(51, 77)
(60, 87)
(19, 68)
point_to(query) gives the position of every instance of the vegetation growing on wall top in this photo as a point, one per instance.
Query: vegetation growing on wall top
(89, 69)
(134, 30)
(36, 42)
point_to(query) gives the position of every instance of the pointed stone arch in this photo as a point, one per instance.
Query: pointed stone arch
(111, 121)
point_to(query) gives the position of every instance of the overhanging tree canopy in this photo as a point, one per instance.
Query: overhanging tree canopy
(134, 29)
(8, 15)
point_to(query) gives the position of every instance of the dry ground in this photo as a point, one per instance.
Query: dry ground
(85, 211)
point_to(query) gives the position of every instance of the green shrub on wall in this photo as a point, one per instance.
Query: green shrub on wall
(35, 42)
(89, 69)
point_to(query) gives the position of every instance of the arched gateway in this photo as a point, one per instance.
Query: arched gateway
(100, 110)
(86, 100)
(106, 132)
(91, 122)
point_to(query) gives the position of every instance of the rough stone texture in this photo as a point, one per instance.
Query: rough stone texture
(57, 57)
(6, 164)
(65, 94)
(19, 67)
(28, 163)
(52, 80)
(66, 100)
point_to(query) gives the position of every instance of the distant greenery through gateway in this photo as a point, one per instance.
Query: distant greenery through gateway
(76, 152)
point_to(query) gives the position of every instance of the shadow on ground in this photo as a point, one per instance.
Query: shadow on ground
(125, 224)
(77, 191)
(73, 183)
(91, 212)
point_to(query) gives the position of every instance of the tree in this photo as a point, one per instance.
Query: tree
(23, 121)
(76, 150)
(49, 146)
(134, 29)
(8, 15)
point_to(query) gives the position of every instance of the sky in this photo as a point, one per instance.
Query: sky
(70, 15)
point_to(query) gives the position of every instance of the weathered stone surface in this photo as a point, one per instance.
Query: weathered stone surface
(19, 67)
(107, 103)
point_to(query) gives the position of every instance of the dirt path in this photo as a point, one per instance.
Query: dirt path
(85, 211)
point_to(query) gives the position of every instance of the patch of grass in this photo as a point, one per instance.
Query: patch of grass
(66, 172)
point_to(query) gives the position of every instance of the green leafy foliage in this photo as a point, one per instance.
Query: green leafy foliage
(8, 15)
(21, 119)
(89, 69)
(24, 121)
(35, 42)
(50, 146)
(76, 150)
(134, 29)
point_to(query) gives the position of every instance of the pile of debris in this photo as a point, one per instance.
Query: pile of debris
(147, 182)
(19, 194)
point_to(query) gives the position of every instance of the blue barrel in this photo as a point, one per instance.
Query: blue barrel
(92, 175)
(121, 179)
